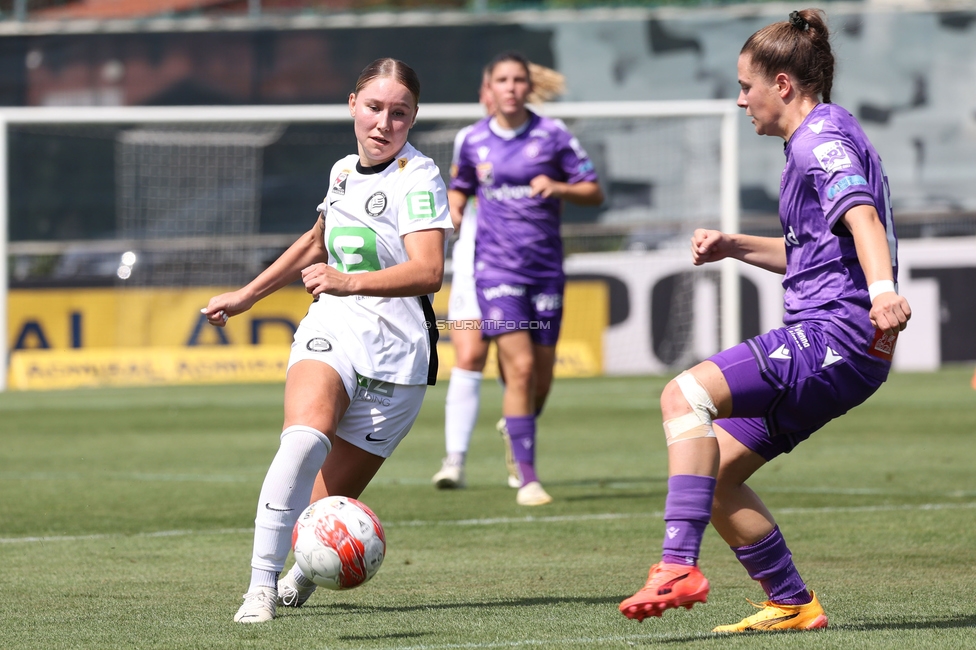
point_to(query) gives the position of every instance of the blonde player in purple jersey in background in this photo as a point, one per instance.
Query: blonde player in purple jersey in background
(471, 349)
(521, 166)
(728, 416)
(366, 351)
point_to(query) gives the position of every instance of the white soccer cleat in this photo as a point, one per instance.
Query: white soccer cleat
(532, 494)
(292, 594)
(514, 476)
(450, 476)
(259, 606)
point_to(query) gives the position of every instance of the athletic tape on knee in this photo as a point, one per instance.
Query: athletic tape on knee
(698, 423)
(301, 428)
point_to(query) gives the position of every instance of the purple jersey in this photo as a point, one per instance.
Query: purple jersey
(830, 168)
(518, 235)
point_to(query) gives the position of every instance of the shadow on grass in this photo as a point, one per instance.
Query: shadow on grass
(915, 624)
(347, 608)
(952, 622)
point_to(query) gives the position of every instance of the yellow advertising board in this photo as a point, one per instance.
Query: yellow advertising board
(107, 337)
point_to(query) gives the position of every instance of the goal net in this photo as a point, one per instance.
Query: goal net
(201, 198)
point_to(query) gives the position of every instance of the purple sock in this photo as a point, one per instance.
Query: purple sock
(770, 562)
(687, 511)
(521, 432)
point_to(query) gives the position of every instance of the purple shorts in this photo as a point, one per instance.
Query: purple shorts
(786, 384)
(509, 307)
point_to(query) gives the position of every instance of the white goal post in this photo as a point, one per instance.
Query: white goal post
(723, 110)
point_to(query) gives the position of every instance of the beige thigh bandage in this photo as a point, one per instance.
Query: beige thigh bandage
(698, 423)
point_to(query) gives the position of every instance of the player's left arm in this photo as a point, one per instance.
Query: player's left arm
(420, 275)
(889, 311)
(580, 184)
(582, 193)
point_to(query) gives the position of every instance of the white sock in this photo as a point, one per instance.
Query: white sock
(285, 494)
(461, 409)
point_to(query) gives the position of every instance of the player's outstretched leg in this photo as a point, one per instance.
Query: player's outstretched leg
(294, 588)
(790, 606)
(676, 580)
(773, 617)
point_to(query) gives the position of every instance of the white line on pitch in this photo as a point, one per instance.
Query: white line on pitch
(492, 521)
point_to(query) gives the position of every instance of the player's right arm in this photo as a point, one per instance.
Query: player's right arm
(307, 250)
(767, 253)
(456, 202)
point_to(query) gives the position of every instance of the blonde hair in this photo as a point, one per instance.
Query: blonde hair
(547, 84)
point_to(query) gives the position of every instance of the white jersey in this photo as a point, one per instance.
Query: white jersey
(367, 213)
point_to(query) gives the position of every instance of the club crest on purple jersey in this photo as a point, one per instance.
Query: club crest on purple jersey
(486, 173)
(532, 149)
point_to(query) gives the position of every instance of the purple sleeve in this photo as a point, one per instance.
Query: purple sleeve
(839, 176)
(575, 162)
(463, 174)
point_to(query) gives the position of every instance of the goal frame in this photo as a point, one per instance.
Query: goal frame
(724, 109)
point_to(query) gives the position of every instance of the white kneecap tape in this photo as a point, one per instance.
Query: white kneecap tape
(301, 428)
(698, 423)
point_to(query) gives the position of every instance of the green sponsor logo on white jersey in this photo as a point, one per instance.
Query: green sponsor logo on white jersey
(420, 205)
(354, 248)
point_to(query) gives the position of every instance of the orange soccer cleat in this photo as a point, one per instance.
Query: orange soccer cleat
(774, 618)
(668, 585)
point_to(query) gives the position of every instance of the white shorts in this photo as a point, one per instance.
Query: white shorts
(463, 302)
(380, 413)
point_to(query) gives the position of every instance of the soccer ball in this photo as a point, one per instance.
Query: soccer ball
(339, 543)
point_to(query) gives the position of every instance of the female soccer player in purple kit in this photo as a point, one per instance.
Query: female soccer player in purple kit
(521, 166)
(728, 416)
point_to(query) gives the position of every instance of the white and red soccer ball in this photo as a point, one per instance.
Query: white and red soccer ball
(339, 543)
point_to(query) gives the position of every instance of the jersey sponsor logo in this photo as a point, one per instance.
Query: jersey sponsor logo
(354, 249)
(547, 301)
(478, 137)
(401, 163)
(318, 345)
(375, 204)
(507, 192)
(830, 358)
(790, 238)
(844, 183)
(420, 205)
(377, 386)
(796, 331)
(486, 173)
(483, 153)
(532, 150)
(339, 184)
(503, 290)
(539, 133)
(832, 156)
(782, 352)
(816, 127)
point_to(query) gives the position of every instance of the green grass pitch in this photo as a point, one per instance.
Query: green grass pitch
(125, 521)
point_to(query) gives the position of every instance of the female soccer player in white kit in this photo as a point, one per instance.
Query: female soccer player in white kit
(363, 356)
(730, 415)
